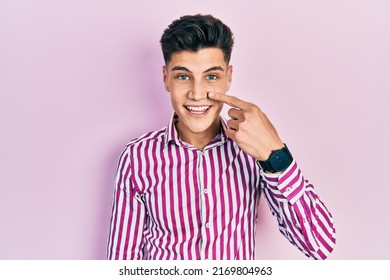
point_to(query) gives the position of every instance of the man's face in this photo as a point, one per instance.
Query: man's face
(189, 77)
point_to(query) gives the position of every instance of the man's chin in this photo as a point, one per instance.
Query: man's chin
(199, 129)
(203, 126)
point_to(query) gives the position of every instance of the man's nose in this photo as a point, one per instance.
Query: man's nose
(198, 91)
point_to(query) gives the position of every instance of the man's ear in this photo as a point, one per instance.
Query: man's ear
(165, 78)
(229, 76)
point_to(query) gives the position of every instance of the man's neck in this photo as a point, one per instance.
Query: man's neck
(199, 139)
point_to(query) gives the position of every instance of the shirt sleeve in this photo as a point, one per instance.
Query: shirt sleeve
(128, 215)
(302, 217)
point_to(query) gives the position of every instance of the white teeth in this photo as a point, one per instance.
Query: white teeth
(198, 109)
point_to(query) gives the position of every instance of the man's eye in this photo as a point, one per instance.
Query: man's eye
(212, 77)
(183, 77)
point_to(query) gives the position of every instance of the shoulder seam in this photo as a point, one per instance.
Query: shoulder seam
(152, 135)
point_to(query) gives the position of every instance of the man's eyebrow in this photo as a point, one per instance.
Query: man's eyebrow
(180, 68)
(214, 68)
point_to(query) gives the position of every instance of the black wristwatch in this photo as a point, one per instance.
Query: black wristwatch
(278, 160)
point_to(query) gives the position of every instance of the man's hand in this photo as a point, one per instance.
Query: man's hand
(249, 127)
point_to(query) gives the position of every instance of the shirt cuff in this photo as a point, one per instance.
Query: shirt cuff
(290, 184)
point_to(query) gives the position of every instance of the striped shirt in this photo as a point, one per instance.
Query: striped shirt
(175, 201)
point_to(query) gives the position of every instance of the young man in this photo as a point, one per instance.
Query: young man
(190, 190)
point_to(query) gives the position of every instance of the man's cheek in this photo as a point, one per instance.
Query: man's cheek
(179, 89)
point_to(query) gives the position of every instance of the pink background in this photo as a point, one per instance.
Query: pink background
(79, 79)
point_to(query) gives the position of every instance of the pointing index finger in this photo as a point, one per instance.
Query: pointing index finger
(228, 99)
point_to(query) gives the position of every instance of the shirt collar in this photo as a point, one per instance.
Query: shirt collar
(172, 135)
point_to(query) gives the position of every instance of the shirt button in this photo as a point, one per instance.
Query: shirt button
(207, 225)
(288, 189)
(205, 191)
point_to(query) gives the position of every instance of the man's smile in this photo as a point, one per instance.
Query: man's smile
(197, 110)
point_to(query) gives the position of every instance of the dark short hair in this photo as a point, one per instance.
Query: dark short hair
(195, 32)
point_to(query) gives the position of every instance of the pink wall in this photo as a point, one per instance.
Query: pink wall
(79, 79)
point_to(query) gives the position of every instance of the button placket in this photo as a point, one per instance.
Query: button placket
(203, 208)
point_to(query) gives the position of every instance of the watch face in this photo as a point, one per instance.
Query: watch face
(280, 161)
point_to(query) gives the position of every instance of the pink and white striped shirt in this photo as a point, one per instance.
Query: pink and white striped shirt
(174, 201)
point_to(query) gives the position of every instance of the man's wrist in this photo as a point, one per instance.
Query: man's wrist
(278, 161)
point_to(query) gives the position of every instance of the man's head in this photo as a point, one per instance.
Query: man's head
(197, 52)
(192, 33)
